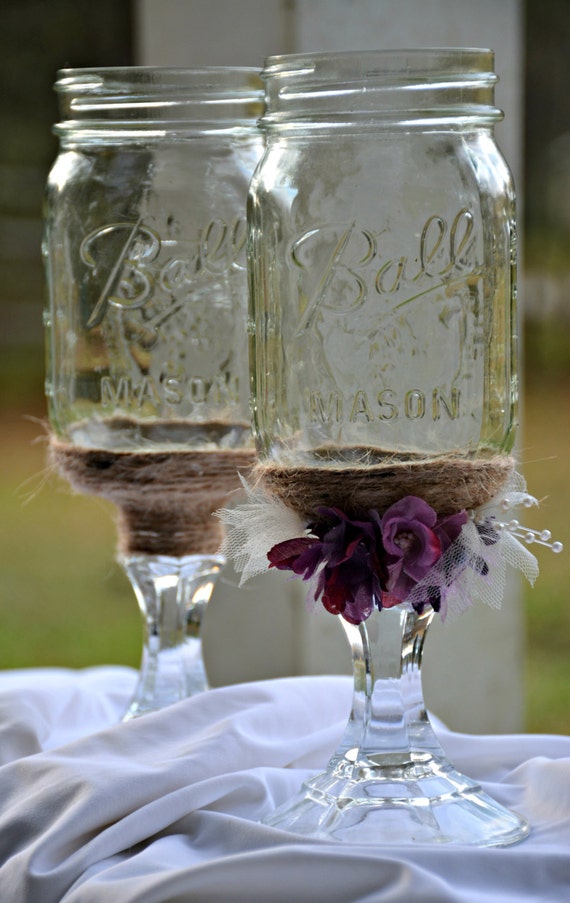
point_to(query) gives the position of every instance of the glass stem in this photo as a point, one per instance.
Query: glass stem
(389, 781)
(388, 717)
(172, 594)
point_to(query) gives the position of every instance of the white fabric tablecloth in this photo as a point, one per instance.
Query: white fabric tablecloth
(166, 808)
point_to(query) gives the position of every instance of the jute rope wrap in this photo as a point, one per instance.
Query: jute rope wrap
(165, 499)
(449, 484)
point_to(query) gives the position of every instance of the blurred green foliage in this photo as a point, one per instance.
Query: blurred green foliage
(545, 456)
(63, 599)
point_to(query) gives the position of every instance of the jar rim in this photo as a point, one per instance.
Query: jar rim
(128, 102)
(417, 86)
(90, 78)
(422, 58)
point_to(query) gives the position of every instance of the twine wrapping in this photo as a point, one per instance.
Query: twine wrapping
(416, 532)
(165, 500)
(447, 483)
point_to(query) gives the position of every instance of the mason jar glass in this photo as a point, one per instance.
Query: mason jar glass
(382, 252)
(145, 254)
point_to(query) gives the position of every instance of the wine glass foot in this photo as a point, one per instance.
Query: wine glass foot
(416, 799)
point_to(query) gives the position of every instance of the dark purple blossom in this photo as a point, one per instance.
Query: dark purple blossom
(348, 556)
(361, 564)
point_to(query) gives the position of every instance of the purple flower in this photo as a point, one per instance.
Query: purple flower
(347, 554)
(361, 564)
(414, 539)
(448, 528)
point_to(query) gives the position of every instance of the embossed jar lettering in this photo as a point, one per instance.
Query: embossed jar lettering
(145, 246)
(388, 406)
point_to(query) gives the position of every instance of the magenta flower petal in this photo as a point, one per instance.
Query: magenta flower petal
(448, 528)
(389, 601)
(288, 555)
(334, 594)
(410, 508)
(412, 545)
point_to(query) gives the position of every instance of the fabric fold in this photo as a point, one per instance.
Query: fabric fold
(167, 807)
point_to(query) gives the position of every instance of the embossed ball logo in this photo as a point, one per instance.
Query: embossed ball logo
(342, 265)
(164, 303)
(138, 270)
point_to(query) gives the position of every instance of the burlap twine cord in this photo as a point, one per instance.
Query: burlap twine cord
(165, 500)
(449, 484)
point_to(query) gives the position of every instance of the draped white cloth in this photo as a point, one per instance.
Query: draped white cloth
(166, 807)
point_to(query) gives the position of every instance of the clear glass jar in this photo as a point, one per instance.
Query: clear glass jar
(145, 256)
(382, 251)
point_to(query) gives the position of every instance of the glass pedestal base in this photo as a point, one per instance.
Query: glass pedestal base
(389, 781)
(422, 800)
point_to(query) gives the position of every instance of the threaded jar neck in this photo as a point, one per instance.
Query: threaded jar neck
(432, 87)
(145, 103)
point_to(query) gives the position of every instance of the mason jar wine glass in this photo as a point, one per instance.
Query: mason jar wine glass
(384, 382)
(146, 330)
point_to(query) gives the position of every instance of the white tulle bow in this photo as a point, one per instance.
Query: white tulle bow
(253, 527)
